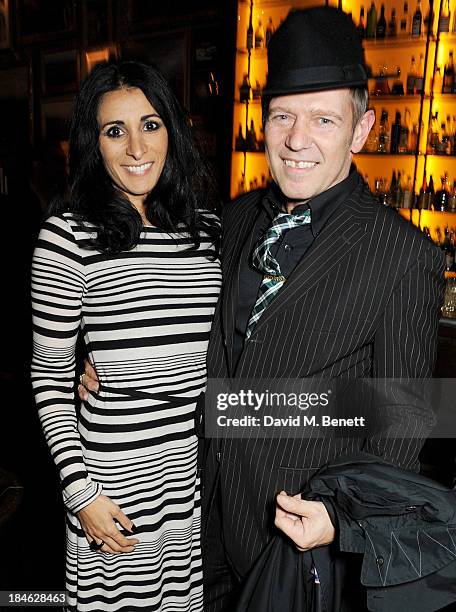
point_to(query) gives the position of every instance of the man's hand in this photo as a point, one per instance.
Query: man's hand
(307, 523)
(88, 381)
(98, 520)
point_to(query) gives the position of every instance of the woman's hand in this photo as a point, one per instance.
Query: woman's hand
(98, 520)
(88, 381)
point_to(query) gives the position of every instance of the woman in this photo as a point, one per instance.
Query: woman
(129, 259)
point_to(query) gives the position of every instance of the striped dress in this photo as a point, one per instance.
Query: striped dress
(145, 316)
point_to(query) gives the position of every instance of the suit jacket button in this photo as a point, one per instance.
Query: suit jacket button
(380, 560)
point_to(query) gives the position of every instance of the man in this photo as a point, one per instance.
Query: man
(361, 295)
(319, 281)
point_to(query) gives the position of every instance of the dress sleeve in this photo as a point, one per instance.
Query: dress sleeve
(58, 286)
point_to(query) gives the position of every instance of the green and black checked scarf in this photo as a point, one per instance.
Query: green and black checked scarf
(265, 263)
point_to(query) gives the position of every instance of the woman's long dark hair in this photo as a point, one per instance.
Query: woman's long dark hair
(185, 186)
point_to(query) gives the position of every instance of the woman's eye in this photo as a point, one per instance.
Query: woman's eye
(114, 132)
(151, 126)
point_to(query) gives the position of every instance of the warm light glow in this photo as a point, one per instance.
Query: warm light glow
(434, 220)
(96, 57)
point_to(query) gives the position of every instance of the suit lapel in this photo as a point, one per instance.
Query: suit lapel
(341, 234)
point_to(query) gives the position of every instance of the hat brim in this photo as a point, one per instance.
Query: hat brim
(283, 91)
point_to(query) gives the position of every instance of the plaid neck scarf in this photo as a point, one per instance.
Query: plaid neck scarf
(265, 263)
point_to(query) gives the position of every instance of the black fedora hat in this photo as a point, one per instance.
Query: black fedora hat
(314, 49)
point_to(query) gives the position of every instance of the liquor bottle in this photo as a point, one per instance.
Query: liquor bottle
(396, 133)
(361, 28)
(256, 91)
(413, 141)
(417, 21)
(240, 140)
(421, 201)
(444, 21)
(445, 141)
(450, 130)
(437, 82)
(392, 24)
(411, 78)
(244, 89)
(448, 75)
(380, 30)
(408, 194)
(383, 133)
(392, 194)
(371, 21)
(269, 31)
(404, 134)
(442, 196)
(419, 80)
(259, 36)
(452, 200)
(250, 33)
(433, 136)
(251, 138)
(448, 249)
(404, 27)
(430, 192)
(399, 191)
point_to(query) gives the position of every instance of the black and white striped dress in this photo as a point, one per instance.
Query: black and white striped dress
(145, 316)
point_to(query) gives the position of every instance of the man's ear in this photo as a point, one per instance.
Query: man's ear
(362, 129)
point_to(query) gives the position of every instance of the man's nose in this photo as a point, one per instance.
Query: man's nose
(299, 136)
(136, 146)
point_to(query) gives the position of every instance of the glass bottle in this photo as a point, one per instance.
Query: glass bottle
(392, 24)
(259, 36)
(419, 80)
(417, 21)
(404, 25)
(411, 77)
(408, 194)
(244, 89)
(383, 133)
(437, 82)
(380, 30)
(371, 21)
(442, 196)
(395, 133)
(448, 75)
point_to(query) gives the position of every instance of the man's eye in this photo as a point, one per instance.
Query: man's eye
(151, 126)
(324, 121)
(279, 118)
(114, 132)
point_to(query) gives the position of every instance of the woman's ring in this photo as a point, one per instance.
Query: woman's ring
(94, 546)
(81, 376)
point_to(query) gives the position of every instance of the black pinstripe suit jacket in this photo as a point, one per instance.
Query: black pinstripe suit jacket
(363, 302)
